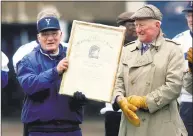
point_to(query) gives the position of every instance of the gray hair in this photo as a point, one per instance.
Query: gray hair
(49, 11)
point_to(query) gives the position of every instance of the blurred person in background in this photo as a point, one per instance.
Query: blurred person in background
(187, 79)
(124, 20)
(45, 112)
(112, 118)
(27, 48)
(185, 39)
(150, 79)
(4, 70)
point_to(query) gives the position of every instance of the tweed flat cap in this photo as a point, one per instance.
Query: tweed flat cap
(124, 17)
(147, 12)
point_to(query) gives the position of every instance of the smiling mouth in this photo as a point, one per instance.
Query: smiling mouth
(50, 43)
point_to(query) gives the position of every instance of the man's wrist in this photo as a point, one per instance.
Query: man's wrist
(119, 98)
(115, 104)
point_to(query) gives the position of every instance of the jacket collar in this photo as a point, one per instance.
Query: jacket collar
(147, 57)
(191, 33)
(60, 55)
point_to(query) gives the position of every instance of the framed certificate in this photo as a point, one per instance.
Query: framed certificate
(94, 53)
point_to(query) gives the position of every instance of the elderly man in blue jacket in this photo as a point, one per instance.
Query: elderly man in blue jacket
(45, 112)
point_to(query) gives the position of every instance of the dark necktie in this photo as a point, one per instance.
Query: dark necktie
(145, 48)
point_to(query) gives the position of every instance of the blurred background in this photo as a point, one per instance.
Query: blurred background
(18, 27)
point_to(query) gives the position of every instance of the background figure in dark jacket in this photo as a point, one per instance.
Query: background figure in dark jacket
(124, 20)
(4, 70)
(112, 118)
(45, 112)
(187, 78)
(185, 99)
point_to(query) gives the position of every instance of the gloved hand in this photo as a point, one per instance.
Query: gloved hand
(78, 100)
(129, 111)
(138, 101)
(189, 55)
(189, 58)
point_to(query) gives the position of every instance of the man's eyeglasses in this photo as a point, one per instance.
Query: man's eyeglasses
(45, 35)
(188, 15)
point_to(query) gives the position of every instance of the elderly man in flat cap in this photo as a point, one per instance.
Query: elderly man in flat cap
(112, 118)
(185, 100)
(149, 80)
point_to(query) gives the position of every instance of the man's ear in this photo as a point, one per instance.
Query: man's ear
(38, 37)
(61, 33)
(158, 25)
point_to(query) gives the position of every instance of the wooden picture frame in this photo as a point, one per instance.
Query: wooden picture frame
(94, 53)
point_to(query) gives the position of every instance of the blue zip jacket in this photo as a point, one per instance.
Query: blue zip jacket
(4, 78)
(40, 81)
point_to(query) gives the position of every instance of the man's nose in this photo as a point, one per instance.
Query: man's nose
(138, 29)
(50, 36)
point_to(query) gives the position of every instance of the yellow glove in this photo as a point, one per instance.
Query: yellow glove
(189, 55)
(189, 58)
(129, 111)
(138, 101)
